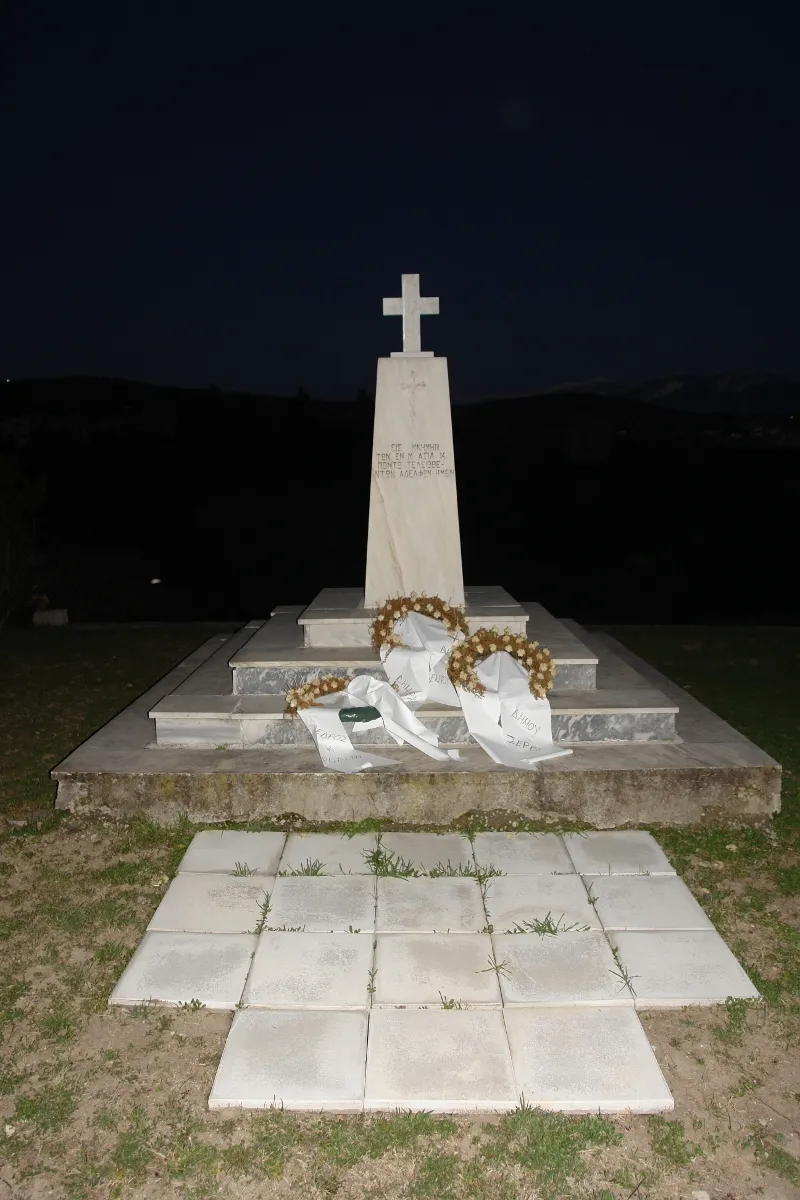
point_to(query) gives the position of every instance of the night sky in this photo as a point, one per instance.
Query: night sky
(214, 194)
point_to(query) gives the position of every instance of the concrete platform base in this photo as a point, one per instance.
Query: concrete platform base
(713, 775)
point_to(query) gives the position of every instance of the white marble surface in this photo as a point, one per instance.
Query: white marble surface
(439, 1060)
(337, 634)
(338, 855)
(523, 853)
(223, 851)
(411, 306)
(646, 902)
(429, 968)
(212, 904)
(323, 904)
(585, 1060)
(680, 967)
(302, 1060)
(513, 899)
(176, 968)
(311, 970)
(429, 850)
(413, 542)
(570, 968)
(627, 852)
(429, 906)
(343, 629)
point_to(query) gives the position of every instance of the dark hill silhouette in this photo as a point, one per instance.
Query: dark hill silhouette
(735, 392)
(603, 507)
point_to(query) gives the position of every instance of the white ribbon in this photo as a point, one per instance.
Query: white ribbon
(512, 726)
(333, 742)
(416, 668)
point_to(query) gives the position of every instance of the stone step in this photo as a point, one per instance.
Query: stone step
(641, 714)
(276, 659)
(710, 774)
(337, 616)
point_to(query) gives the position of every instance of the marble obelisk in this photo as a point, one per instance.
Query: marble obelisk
(413, 544)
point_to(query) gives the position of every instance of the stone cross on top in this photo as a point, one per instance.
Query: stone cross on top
(411, 306)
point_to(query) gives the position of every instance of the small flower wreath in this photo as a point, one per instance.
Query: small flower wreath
(307, 694)
(382, 629)
(465, 656)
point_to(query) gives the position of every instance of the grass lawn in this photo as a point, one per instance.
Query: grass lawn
(98, 1103)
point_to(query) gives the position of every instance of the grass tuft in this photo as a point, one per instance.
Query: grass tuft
(669, 1144)
(451, 1004)
(550, 1145)
(312, 866)
(242, 871)
(388, 864)
(768, 1150)
(49, 1106)
(347, 1142)
(734, 1028)
(547, 927)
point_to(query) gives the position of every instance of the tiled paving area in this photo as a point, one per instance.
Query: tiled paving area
(507, 967)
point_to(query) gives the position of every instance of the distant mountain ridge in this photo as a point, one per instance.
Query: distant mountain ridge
(733, 392)
(72, 400)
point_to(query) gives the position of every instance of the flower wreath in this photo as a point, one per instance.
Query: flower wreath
(464, 658)
(382, 629)
(307, 694)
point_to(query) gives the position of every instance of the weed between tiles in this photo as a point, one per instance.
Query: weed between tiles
(386, 863)
(309, 867)
(241, 870)
(499, 968)
(547, 927)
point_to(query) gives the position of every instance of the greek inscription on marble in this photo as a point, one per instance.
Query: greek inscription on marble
(413, 460)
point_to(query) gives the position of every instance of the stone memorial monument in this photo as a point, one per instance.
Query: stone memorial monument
(413, 543)
(213, 736)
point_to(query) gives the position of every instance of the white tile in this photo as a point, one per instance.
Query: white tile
(628, 852)
(646, 902)
(438, 1060)
(211, 904)
(421, 968)
(429, 906)
(430, 850)
(585, 1060)
(323, 904)
(514, 899)
(523, 853)
(338, 855)
(675, 968)
(570, 968)
(311, 970)
(174, 968)
(223, 851)
(301, 1060)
